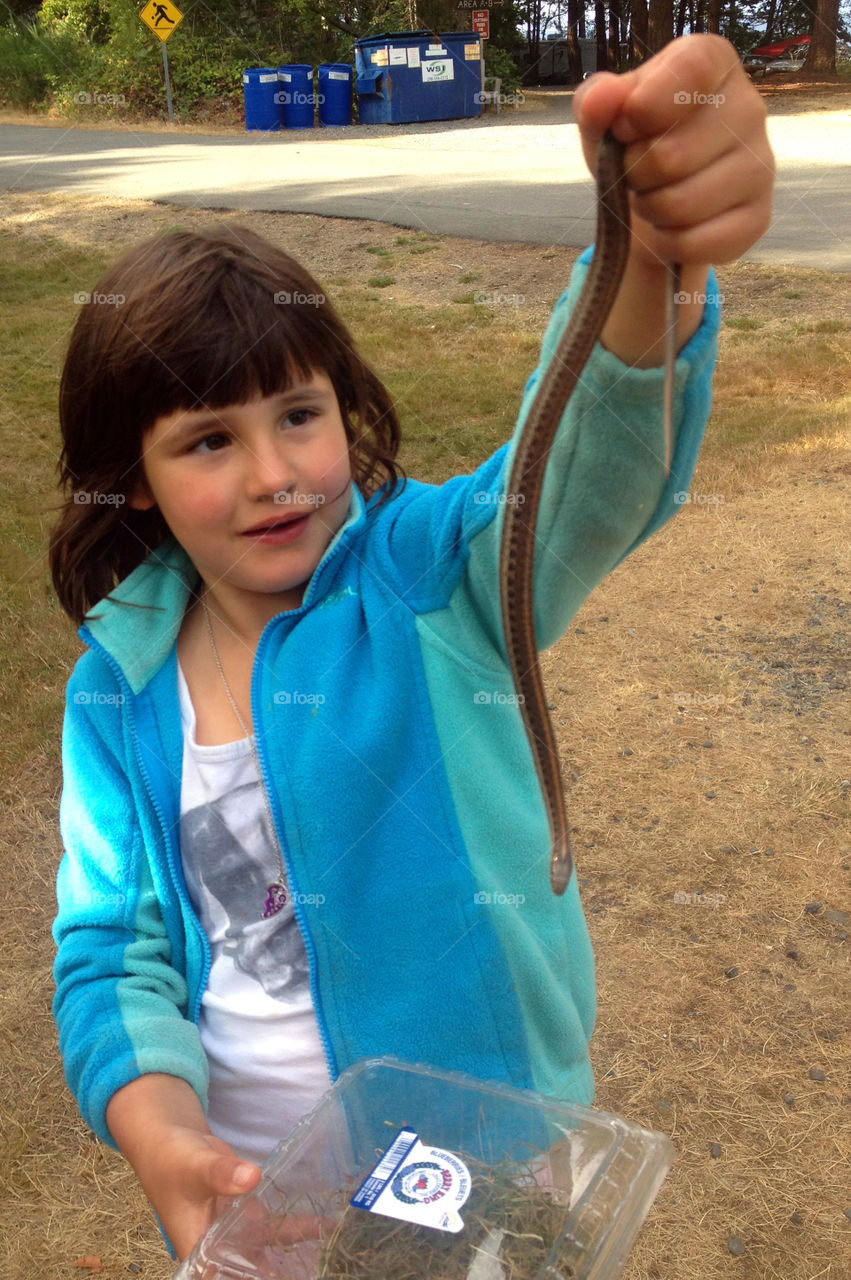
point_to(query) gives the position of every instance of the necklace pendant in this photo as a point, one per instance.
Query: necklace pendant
(276, 900)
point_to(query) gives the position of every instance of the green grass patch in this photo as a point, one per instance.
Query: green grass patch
(381, 282)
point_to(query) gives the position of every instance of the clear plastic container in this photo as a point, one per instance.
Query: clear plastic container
(585, 1181)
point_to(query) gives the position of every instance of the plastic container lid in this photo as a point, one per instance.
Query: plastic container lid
(568, 1185)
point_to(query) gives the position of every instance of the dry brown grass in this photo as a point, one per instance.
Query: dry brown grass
(744, 600)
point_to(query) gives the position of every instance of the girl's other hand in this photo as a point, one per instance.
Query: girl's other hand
(698, 160)
(186, 1173)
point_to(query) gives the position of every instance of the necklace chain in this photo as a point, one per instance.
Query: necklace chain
(276, 892)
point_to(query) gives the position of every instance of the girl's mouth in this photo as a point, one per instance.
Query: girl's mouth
(279, 534)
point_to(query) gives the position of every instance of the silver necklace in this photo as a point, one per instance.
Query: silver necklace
(276, 892)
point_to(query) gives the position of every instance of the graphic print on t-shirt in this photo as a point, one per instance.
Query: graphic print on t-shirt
(230, 858)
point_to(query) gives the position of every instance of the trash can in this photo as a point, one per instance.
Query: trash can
(295, 94)
(260, 94)
(335, 93)
(408, 76)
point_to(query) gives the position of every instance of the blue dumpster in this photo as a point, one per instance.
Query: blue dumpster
(335, 93)
(407, 76)
(295, 94)
(259, 91)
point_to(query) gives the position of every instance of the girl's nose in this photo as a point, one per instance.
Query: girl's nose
(268, 471)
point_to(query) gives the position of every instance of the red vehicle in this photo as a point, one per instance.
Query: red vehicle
(782, 55)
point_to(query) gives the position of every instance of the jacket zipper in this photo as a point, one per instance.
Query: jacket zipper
(298, 911)
(186, 906)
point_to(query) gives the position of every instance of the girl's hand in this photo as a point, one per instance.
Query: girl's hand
(698, 156)
(189, 1181)
(186, 1173)
(701, 174)
(697, 159)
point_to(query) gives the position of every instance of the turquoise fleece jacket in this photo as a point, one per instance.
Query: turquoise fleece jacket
(400, 780)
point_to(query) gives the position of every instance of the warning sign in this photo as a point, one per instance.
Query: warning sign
(482, 22)
(162, 16)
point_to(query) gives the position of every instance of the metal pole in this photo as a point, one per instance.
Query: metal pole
(168, 86)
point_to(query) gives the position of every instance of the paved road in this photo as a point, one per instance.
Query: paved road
(519, 176)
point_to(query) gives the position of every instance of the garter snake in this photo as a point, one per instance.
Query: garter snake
(523, 492)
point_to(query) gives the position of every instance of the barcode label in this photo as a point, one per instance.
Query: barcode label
(393, 1155)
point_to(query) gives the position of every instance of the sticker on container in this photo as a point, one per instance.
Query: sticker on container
(379, 57)
(439, 69)
(398, 57)
(284, 75)
(338, 75)
(413, 57)
(472, 51)
(435, 51)
(268, 79)
(416, 1183)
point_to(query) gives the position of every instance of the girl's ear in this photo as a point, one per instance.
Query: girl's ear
(140, 496)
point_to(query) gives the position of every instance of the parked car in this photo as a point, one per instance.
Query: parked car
(782, 55)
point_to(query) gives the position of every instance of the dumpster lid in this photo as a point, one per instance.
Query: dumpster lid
(413, 35)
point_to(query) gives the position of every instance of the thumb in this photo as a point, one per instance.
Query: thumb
(228, 1175)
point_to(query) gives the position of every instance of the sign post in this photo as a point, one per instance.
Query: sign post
(163, 16)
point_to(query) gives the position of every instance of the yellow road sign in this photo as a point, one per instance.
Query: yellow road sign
(162, 16)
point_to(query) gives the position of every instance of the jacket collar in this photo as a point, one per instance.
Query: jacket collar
(137, 624)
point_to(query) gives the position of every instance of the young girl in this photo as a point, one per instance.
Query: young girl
(297, 796)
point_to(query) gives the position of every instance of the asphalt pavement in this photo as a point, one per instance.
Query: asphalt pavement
(519, 176)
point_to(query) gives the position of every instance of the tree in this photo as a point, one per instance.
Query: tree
(660, 25)
(821, 58)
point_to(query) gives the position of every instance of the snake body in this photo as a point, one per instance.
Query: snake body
(523, 492)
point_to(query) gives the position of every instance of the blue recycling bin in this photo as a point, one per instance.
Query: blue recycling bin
(259, 91)
(295, 94)
(335, 93)
(408, 76)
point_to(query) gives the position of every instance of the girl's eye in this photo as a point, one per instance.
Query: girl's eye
(210, 444)
(300, 417)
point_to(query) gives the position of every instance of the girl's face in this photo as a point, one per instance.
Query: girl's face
(255, 492)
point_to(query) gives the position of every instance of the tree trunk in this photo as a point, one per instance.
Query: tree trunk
(614, 35)
(575, 17)
(821, 58)
(681, 18)
(638, 33)
(660, 24)
(600, 35)
(713, 17)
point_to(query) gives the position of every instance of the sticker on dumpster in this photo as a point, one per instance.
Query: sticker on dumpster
(438, 69)
(435, 51)
(413, 57)
(398, 57)
(379, 57)
(472, 51)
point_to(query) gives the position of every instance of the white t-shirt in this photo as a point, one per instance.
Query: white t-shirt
(258, 1027)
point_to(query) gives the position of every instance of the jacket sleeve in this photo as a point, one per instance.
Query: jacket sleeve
(604, 490)
(120, 1003)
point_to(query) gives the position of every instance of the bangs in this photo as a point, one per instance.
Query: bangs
(251, 335)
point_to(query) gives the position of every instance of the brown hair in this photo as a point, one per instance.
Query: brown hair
(209, 318)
